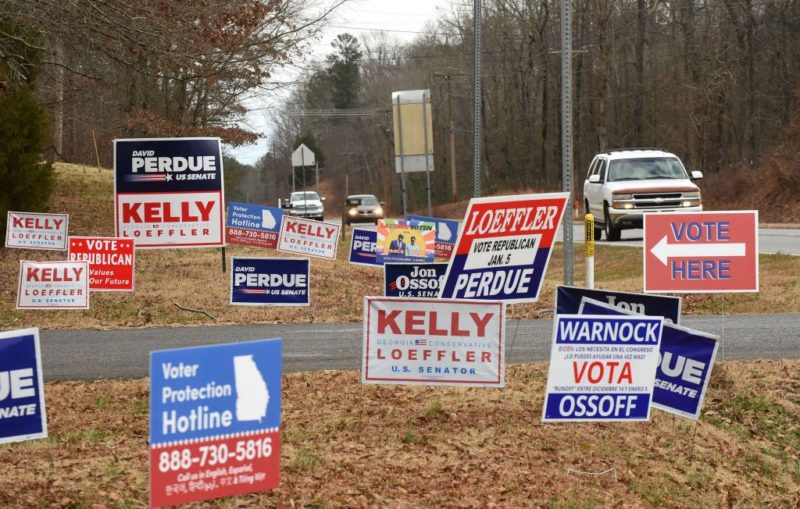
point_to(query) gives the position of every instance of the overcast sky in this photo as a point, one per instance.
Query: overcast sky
(400, 18)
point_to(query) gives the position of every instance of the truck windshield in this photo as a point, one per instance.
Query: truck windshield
(646, 168)
(304, 196)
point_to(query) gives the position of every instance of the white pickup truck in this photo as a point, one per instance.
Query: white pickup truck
(621, 185)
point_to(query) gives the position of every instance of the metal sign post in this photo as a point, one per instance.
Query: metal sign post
(476, 113)
(566, 135)
(402, 155)
(427, 157)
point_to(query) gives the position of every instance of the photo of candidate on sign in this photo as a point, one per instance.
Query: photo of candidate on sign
(602, 368)
(504, 247)
(270, 281)
(22, 410)
(400, 240)
(169, 192)
(433, 342)
(215, 417)
(446, 234)
(685, 363)
(30, 230)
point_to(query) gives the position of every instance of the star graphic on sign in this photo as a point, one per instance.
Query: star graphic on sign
(168, 177)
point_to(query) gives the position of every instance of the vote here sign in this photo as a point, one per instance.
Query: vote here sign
(602, 368)
(504, 247)
(701, 252)
(111, 261)
(169, 192)
(215, 416)
(31, 230)
(433, 342)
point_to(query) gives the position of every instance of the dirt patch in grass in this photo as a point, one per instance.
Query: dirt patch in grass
(348, 445)
(193, 278)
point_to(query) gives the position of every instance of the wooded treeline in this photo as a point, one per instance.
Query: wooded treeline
(712, 80)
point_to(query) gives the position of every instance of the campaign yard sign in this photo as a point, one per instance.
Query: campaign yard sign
(308, 237)
(53, 285)
(363, 246)
(401, 240)
(602, 368)
(32, 230)
(413, 280)
(446, 234)
(22, 411)
(270, 281)
(504, 247)
(215, 416)
(169, 192)
(253, 225)
(111, 261)
(568, 302)
(701, 252)
(433, 342)
(684, 367)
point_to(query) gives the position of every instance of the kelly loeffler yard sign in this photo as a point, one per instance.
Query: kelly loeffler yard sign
(307, 237)
(31, 230)
(433, 342)
(169, 192)
(53, 285)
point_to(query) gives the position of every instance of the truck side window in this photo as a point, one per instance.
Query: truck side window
(592, 168)
(602, 171)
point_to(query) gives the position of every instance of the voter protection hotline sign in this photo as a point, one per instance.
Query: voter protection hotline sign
(602, 368)
(32, 230)
(433, 342)
(169, 192)
(504, 247)
(215, 414)
(22, 410)
(253, 225)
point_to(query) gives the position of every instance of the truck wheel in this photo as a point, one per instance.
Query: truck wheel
(612, 234)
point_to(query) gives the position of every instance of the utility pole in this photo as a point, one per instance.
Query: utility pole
(448, 76)
(476, 111)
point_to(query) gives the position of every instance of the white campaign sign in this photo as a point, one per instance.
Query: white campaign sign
(53, 285)
(307, 237)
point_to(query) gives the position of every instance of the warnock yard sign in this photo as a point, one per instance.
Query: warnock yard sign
(602, 368)
(53, 285)
(111, 261)
(568, 302)
(253, 225)
(215, 415)
(363, 248)
(30, 230)
(270, 281)
(701, 252)
(433, 342)
(169, 192)
(22, 410)
(307, 237)
(686, 358)
(504, 247)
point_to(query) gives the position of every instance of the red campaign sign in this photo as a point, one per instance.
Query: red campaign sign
(252, 238)
(185, 473)
(111, 261)
(444, 250)
(701, 252)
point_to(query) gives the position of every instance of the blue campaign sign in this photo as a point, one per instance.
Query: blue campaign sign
(446, 234)
(568, 302)
(684, 368)
(253, 225)
(602, 368)
(22, 410)
(270, 281)
(215, 416)
(413, 280)
(363, 248)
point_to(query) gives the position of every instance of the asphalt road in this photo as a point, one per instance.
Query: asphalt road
(123, 353)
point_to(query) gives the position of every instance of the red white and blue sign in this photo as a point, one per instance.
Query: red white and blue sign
(413, 280)
(308, 237)
(602, 368)
(37, 230)
(446, 234)
(53, 285)
(568, 302)
(504, 247)
(253, 225)
(270, 281)
(169, 192)
(215, 416)
(701, 252)
(363, 248)
(684, 367)
(22, 411)
(433, 342)
(111, 261)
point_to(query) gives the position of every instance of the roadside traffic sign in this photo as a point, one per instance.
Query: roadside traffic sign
(701, 252)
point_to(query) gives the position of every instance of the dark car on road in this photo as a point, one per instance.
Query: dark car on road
(362, 208)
